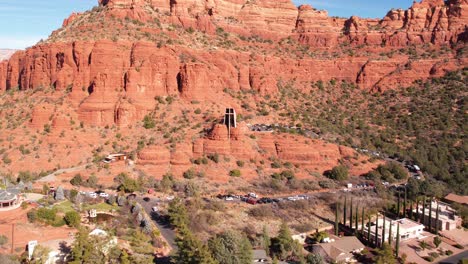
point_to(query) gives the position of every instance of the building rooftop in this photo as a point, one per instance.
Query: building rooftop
(457, 198)
(406, 223)
(342, 248)
(7, 196)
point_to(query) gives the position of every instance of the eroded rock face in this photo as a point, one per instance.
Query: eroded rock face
(116, 82)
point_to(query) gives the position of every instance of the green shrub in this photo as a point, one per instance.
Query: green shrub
(3, 240)
(189, 174)
(235, 173)
(32, 216)
(428, 258)
(72, 218)
(148, 122)
(76, 180)
(214, 157)
(339, 173)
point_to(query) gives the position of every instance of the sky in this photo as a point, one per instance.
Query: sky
(24, 22)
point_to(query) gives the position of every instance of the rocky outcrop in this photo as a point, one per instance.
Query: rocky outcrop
(154, 155)
(116, 82)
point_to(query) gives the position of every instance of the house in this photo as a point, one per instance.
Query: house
(260, 256)
(9, 199)
(448, 219)
(115, 157)
(408, 229)
(339, 249)
(453, 198)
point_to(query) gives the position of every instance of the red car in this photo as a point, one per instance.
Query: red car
(252, 201)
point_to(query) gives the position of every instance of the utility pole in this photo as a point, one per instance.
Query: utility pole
(12, 237)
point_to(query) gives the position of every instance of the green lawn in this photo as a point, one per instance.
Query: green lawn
(100, 207)
(65, 206)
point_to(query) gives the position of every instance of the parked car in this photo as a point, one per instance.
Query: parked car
(104, 195)
(170, 198)
(252, 201)
(253, 195)
(92, 195)
(244, 198)
(154, 209)
(229, 198)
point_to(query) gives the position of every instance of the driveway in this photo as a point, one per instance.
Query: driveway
(162, 223)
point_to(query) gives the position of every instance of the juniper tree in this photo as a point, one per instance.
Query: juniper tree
(59, 195)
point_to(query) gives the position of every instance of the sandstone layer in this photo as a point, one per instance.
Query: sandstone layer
(116, 81)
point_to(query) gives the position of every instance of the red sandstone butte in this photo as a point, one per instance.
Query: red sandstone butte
(116, 81)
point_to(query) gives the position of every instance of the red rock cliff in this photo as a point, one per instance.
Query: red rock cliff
(115, 82)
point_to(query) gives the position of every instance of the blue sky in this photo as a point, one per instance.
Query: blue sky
(25, 22)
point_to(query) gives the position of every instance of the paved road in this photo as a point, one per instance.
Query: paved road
(455, 258)
(163, 225)
(51, 177)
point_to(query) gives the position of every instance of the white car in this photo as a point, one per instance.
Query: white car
(154, 209)
(229, 199)
(92, 195)
(104, 195)
(170, 198)
(253, 195)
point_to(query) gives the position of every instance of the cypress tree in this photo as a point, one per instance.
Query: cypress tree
(411, 209)
(356, 221)
(337, 225)
(368, 230)
(397, 245)
(423, 209)
(390, 236)
(266, 240)
(398, 205)
(376, 238)
(437, 220)
(383, 230)
(351, 215)
(344, 211)
(417, 210)
(404, 204)
(430, 214)
(362, 222)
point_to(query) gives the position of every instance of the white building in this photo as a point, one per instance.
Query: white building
(448, 220)
(408, 229)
